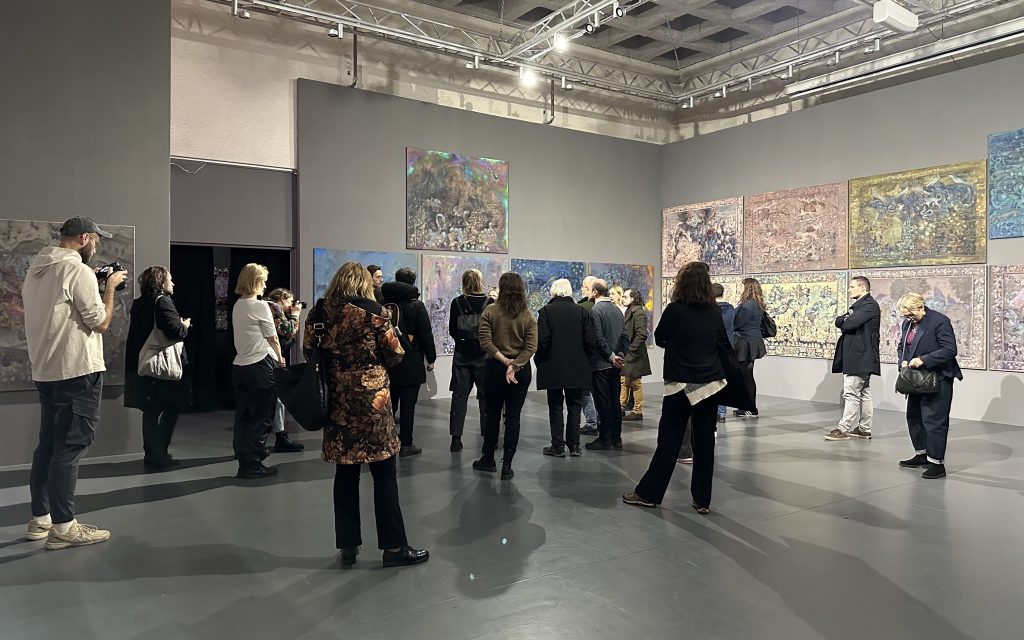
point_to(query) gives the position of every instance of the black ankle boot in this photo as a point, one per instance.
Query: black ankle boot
(283, 445)
(456, 444)
(506, 466)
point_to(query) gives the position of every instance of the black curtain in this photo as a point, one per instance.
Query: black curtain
(192, 269)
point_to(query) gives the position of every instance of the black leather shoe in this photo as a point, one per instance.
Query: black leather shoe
(409, 450)
(169, 464)
(283, 445)
(456, 444)
(484, 464)
(920, 460)
(599, 445)
(405, 557)
(506, 471)
(589, 431)
(554, 452)
(934, 471)
(617, 444)
(348, 556)
(575, 451)
(255, 472)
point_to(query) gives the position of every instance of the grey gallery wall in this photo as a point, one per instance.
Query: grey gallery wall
(84, 131)
(935, 121)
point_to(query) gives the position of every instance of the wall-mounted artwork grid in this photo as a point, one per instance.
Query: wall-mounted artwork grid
(803, 229)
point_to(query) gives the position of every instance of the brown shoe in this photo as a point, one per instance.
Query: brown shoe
(837, 435)
(860, 433)
(631, 497)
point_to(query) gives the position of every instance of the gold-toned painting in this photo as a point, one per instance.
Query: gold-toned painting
(805, 306)
(923, 217)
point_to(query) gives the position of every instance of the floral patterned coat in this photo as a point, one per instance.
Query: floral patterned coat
(361, 345)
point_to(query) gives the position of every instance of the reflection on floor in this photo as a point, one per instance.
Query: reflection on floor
(807, 539)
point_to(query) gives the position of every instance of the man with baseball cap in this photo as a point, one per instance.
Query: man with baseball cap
(65, 317)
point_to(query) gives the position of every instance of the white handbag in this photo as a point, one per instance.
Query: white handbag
(160, 357)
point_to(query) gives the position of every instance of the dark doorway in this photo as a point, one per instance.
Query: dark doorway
(198, 295)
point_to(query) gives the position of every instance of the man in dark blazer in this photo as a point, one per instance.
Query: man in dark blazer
(857, 358)
(927, 341)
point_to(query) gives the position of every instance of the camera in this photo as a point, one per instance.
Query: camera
(104, 272)
(299, 304)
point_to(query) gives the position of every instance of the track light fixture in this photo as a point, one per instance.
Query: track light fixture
(875, 47)
(589, 28)
(835, 59)
(618, 11)
(243, 14)
(688, 104)
(748, 86)
(337, 32)
(721, 93)
(475, 64)
(566, 85)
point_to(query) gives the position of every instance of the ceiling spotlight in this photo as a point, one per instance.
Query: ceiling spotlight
(835, 60)
(875, 47)
(475, 64)
(618, 11)
(566, 85)
(688, 104)
(337, 32)
(589, 28)
(243, 14)
(721, 93)
(748, 86)
(527, 77)
(561, 43)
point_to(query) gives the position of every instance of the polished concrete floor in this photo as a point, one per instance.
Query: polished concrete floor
(807, 539)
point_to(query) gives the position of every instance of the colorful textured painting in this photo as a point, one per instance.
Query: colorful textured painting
(805, 306)
(923, 217)
(20, 241)
(803, 229)
(1006, 184)
(958, 292)
(455, 202)
(539, 274)
(327, 261)
(442, 282)
(733, 286)
(1007, 334)
(710, 232)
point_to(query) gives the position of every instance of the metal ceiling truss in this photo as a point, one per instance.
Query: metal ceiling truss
(537, 48)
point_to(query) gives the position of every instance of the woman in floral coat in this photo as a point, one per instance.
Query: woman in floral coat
(360, 343)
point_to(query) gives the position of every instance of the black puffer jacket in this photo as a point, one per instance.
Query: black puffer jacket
(414, 323)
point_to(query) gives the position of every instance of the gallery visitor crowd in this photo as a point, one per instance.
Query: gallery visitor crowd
(590, 355)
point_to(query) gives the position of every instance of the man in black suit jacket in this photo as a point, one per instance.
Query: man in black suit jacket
(927, 341)
(857, 358)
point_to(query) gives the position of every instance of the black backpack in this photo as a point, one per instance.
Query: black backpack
(467, 329)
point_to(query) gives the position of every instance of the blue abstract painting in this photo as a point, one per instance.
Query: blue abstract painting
(630, 276)
(1006, 184)
(539, 274)
(327, 261)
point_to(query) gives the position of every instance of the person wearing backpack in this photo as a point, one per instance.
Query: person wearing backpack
(402, 299)
(468, 363)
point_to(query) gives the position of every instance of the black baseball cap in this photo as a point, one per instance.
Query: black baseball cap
(78, 225)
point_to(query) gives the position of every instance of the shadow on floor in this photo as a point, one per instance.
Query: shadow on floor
(19, 477)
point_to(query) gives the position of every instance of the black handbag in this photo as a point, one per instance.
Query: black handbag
(302, 388)
(768, 327)
(916, 381)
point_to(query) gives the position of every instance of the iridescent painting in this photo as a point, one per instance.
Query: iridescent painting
(922, 217)
(797, 230)
(1006, 184)
(1007, 329)
(539, 274)
(710, 232)
(455, 202)
(442, 282)
(20, 241)
(805, 306)
(327, 261)
(958, 292)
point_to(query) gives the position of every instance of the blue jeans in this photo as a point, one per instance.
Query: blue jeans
(722, 409)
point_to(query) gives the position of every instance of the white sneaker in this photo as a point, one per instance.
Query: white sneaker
(37, 530)
(79, 535)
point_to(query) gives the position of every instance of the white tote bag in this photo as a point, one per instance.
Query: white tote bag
(160, 357)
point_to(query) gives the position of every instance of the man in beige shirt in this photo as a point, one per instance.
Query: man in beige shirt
(65, 317)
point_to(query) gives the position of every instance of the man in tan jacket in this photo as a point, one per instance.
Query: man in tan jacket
(65, 317)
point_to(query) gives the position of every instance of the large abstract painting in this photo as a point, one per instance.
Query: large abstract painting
(20, 241)
(711, 232)
(630, 276)
(958, 292)
(1007, 335)
(539, 274)
(797, 230)
(923, 217)
(442, 282)
(327, 261)
(455, 202)
(1006, 184)
(733, 286)
(805, 306)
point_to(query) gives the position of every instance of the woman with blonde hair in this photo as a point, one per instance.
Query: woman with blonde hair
(927, 341)
(468, 362)
(747, 337)
(259, 353)
(356, 334)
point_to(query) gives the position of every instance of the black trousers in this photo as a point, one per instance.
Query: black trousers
(464, 376)
(675, 412)
(607, 387)
(69, 412)
(255, 404)
(506, 398)
(157, 430)
(928, 420)
(386, 509)
(747, 371)
(565, 430)
(403, 401)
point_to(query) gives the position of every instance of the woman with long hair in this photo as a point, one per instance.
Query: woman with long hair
(160, 400)
(693, 335)
(638, 363)
(285, 312)
(747, 338)
(508, 334)
(357, 335)
(468, 362)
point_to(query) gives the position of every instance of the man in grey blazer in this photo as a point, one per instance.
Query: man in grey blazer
(606, 361)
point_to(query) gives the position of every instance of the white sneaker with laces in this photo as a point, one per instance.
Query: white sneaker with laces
(37, 530)
(79, 535)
